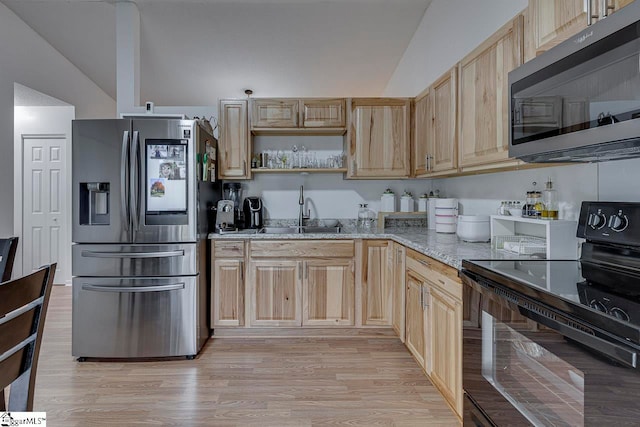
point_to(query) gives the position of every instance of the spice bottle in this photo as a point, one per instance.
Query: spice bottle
(550, 202)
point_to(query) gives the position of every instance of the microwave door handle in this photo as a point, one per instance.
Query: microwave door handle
(134, 289)
(134, 187)
(124, 181)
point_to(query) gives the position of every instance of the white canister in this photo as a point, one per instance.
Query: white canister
(423, 201)
(431, 214)
(446, 215)
(406, 203)
(474, 228)
(388, 202)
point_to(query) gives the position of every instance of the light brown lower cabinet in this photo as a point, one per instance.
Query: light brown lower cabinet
(445, 325)
(415, 312)
(376, 283)
(302, 283)
(434, 323)
(227, 283)
(276, 292)
(398, 284)
(328, 292)
(228, 292)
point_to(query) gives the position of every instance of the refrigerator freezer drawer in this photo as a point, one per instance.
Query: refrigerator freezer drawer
(134, 318)
(135, 260)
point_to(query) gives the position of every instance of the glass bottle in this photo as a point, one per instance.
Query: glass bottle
(365, 218)
(538, 206)
(550, 202)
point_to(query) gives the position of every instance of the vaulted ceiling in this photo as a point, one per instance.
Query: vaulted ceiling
(196, 51)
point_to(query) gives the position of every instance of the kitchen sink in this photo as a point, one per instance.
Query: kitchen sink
(279, 230)
(334, 230)
(298, 230)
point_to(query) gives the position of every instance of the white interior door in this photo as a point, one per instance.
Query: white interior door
(45, 205)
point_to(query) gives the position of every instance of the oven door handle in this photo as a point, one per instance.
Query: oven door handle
(619, 353)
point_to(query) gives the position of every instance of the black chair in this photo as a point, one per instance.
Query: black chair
(8, 249)
(23, 307)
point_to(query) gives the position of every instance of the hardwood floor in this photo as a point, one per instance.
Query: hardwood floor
(238, 382)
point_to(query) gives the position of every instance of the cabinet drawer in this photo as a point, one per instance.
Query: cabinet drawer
(439, 274)
(228, 249)
(304, 249)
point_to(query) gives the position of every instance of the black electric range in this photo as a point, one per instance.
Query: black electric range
(569, 329)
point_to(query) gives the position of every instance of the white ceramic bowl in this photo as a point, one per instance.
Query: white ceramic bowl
(474, 228)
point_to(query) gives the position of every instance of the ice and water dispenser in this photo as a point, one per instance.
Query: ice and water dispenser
(94, 203)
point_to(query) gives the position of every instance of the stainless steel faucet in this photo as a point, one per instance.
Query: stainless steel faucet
(301, 215)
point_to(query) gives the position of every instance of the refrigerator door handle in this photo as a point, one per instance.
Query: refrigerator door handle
(124, 181)
(133, 289)
(160, 254)
(134, 190)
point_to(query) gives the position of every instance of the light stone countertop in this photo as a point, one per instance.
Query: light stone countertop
(446, 248)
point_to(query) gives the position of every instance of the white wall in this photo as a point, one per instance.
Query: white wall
(327, 195)
(449, 30)
(29, 60)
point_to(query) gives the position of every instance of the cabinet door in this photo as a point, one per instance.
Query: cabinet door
(446, 344)
(228, 292)
(328, 292)
(444, 138)
(322, 113)
(276, 293)
(376, 286)
(423, 126)
(554, 21)
(415, 337)
(380, 131)
(274, 113)
(398, 284)
(233, 146)
(484, 103)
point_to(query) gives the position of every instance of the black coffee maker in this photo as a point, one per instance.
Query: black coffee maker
(253, 212)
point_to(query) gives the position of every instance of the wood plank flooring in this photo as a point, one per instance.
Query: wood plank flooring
(238, 382)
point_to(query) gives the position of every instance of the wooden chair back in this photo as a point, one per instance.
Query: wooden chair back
(23, 306)
(8, 248)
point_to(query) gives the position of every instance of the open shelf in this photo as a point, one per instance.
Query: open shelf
(299, 170)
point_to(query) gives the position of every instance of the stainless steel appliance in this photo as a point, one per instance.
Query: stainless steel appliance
(252, 208)
(225, 217)
(557, 342)
(233, 191)
(580, 101)
(139, 233)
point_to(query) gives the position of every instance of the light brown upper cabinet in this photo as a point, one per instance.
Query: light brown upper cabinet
(379, 138)
(552, 22)
(233, 145)
(322, 113)
(298, 116)
(435, 132)
(274, 113)
(484, 105)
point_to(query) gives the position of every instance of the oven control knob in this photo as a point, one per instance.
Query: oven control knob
(619, 313)
(597, 220)
(597, 305)
(618, 222)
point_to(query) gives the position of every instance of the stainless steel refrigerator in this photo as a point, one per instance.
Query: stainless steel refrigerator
(140, 226)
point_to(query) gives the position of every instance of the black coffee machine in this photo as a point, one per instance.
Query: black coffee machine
(253, 212)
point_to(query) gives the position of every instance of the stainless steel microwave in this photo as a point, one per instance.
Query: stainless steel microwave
(580, 101)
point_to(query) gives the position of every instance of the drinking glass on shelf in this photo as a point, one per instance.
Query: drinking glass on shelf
(295, 158)
(271, 160)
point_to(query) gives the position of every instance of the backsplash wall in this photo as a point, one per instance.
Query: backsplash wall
(331, 196)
